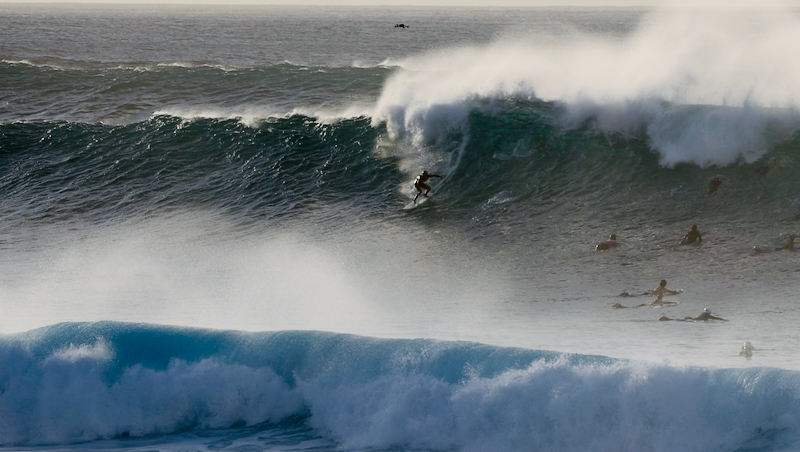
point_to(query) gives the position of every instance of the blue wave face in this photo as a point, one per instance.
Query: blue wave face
(82, 382)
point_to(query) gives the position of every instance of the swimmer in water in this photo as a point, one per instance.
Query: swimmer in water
(662, 290)
(692, 237)
(788, 246)
(659, 291)
(419, 184)
(704, 317)
(610, 243)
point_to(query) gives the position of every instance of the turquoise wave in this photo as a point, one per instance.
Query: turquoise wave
(76, 382)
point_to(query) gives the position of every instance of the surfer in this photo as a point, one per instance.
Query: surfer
(714, 185)
(789, 245)
(419, 184)
(610, 243)
(659, 291)
(747, 350)
(662, 290)
(762, 171)
(692, 237)
(704, 317)
(659, 302)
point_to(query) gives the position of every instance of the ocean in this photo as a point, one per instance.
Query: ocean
(209, 240)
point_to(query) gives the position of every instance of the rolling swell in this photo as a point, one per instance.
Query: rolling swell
(522, 156)
(517, 159)
(86, 381)
(90, 92)
(57, 171)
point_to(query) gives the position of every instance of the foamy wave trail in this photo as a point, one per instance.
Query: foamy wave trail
(704, 88)
(81, 382)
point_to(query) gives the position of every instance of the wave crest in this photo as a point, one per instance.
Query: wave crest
(373, 393)
(705, 87)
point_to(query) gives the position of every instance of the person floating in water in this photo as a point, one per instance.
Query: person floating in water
(692, 237)
(714, 185)
(704, 317)
(659, 292)
(662, 290)
(747, 350)
(419, 184)
(610, 243)
(789, 245)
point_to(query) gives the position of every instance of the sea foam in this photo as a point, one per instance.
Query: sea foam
(705, 86)
(376, 393)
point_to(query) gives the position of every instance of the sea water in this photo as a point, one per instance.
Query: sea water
(205, 244)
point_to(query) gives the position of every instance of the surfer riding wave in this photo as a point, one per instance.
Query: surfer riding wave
(419, 184)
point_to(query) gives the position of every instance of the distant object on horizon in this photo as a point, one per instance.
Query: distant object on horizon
(401, 26)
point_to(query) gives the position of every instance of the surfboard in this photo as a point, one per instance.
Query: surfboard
(649, 293)
(420, 201)
(663, 304)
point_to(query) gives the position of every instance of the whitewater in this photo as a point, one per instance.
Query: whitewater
(209, 241)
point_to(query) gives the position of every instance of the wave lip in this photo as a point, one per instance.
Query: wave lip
(704, 87)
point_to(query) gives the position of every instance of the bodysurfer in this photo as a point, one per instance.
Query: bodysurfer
(419, 184)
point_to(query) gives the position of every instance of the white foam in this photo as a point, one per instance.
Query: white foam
(100, 351)
(254, 116)
(67, 400)
(741, 63)
(550, 406)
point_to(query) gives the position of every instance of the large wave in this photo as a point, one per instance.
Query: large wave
(707, 87)
(508, 152)
(78, 382)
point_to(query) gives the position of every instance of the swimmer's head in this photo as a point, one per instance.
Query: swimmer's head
(663, 283)
(614, 236)
(706, 311)
(694, 227)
